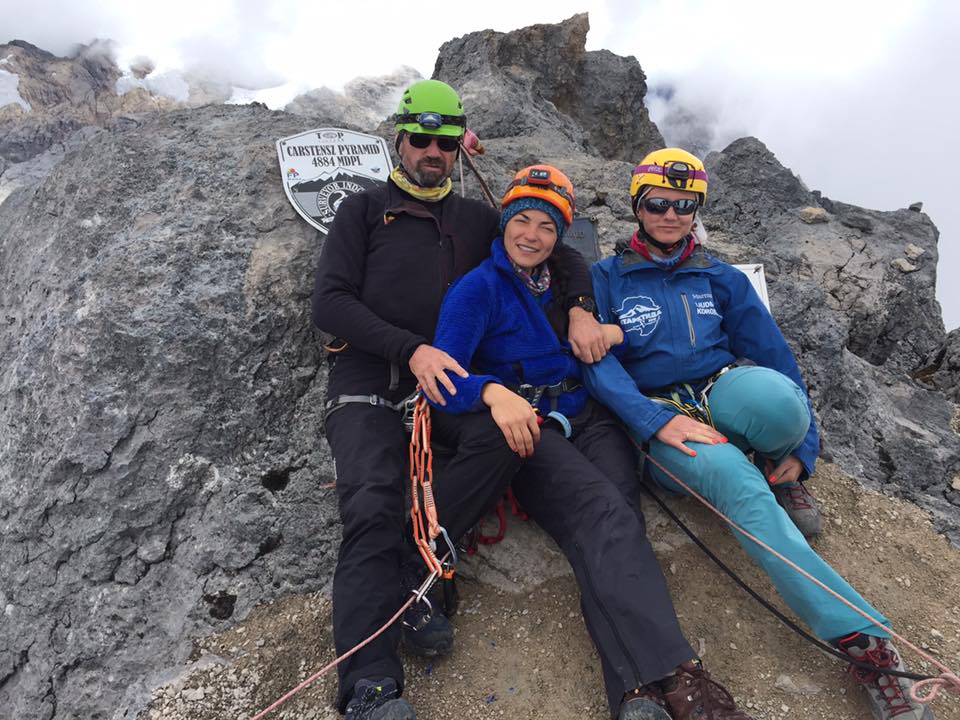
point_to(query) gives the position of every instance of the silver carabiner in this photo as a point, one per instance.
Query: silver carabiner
(407, 407)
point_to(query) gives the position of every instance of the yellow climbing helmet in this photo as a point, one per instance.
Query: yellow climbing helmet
(670, 168)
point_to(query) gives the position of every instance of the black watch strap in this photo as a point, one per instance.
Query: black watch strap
(583, 301)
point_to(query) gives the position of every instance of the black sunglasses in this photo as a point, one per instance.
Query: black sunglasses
(444, 142)
(659, 206)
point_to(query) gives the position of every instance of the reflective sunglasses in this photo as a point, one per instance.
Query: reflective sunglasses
(444, 142)
(659, 206)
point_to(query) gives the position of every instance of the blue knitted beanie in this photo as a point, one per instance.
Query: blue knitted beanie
(529, 203)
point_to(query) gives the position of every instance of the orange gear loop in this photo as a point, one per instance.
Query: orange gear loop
(426, 526)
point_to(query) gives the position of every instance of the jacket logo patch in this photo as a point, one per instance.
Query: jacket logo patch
(704, 304)
(638, 314)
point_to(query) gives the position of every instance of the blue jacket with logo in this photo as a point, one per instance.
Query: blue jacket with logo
(682, 327)
(491, 323)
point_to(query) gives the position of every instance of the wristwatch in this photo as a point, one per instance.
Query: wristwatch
(583, 301)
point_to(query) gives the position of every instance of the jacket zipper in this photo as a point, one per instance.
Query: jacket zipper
(606, 615)
(686, 309)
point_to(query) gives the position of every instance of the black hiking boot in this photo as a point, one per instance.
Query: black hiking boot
(378, 700)
(426, 631)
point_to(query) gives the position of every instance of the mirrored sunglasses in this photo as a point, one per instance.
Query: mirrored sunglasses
(659, 206)
(444, 142)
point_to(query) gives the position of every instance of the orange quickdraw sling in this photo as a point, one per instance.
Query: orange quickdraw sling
(426, 526)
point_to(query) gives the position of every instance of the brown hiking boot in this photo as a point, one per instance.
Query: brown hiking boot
(644, 703)
(691, 694)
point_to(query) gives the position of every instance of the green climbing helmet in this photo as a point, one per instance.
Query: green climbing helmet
(431, 107)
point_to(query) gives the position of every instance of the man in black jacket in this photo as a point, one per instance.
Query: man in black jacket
(391, 255)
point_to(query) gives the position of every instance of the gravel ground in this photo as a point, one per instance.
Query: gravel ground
(522, 651)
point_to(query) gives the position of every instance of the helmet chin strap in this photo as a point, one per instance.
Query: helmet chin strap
(662, 247)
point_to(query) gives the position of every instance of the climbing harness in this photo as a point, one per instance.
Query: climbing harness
(933, 684)
(534, 393)
(693, 404)
(405, 407)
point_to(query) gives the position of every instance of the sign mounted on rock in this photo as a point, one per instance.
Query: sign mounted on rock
(321, 167)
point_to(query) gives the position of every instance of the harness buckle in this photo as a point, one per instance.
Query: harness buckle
(531, 393)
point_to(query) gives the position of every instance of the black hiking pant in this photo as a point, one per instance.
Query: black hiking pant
(584, 493)
(370, 448)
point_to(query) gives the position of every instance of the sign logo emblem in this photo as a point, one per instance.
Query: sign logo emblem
(321, 167)
(639, 314)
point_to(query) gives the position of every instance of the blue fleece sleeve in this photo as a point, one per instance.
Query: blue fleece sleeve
(467, 311)
(754, 334)
(610, 383)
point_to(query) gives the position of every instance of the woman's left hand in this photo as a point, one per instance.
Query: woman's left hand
(586, 336)
(788, 471)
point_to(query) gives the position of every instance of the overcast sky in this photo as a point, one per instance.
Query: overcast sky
(856, 97)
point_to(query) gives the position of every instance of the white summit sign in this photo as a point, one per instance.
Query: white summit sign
(321, 167)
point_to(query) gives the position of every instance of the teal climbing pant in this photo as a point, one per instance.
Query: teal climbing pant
(759, 408)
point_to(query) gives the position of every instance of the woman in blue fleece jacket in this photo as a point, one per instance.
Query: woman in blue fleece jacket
(504, 320)
(704, 363)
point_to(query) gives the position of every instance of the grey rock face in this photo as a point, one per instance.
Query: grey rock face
(540, 81)
(942, 369)
(64, 94)
(161, 392)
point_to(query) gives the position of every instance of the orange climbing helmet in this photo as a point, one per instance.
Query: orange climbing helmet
(543, 182)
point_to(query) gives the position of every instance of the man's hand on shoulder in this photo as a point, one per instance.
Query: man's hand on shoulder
(429, 364)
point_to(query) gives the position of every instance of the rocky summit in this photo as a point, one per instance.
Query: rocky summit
(162, 463)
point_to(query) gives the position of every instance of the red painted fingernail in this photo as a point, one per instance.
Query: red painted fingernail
(693, 454)
(723, 440)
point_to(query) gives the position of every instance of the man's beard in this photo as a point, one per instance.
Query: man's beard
(428, 175)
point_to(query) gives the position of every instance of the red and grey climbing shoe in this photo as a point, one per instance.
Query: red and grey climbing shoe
(691, 694)
(800, 506)
(889, 695)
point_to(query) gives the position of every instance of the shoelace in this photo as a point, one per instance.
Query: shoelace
(890, 689)
(798, 497)
(706, 692)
